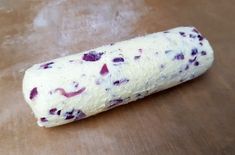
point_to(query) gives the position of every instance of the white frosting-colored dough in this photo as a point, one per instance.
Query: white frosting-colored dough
(81, 85)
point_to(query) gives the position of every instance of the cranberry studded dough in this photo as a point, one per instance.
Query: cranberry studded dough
(81, 85)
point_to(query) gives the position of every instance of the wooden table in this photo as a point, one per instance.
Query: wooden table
(197, 117)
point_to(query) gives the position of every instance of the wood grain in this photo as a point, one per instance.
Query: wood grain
(197, 117)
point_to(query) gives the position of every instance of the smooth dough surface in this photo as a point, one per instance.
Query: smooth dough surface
(81, 85)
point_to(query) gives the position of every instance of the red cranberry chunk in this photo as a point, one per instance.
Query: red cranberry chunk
(104, 70)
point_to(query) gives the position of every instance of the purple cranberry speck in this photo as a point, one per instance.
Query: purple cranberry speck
(182, 34)
(203, 52)
(76, 85)
(77, 114)
(187, 67)
(196, 63)
(140, 50)
(33, 93)
(43, 119)
(58, 112)
(168, 51)
(97, 81)
(200, 37)
(195, 30)
(70, 94)
(137, 57)
(70, 112)
(118, 59)
(47, 65)
(192, 36)
(92, 56)
(80, 115)
(192, 60)
(115, 102)
(138, 95)
(194, 52)
(119, 82)
(179, 56)
(52, 111)
(69, 117)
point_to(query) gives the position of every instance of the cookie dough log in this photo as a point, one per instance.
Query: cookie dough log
(81, 85)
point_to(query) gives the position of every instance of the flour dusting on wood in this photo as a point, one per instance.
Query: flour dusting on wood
(63, 27)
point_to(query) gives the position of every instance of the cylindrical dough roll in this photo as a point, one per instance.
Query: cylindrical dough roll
(78, 86)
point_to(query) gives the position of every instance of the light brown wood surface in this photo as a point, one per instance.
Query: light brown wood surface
(195, 118)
